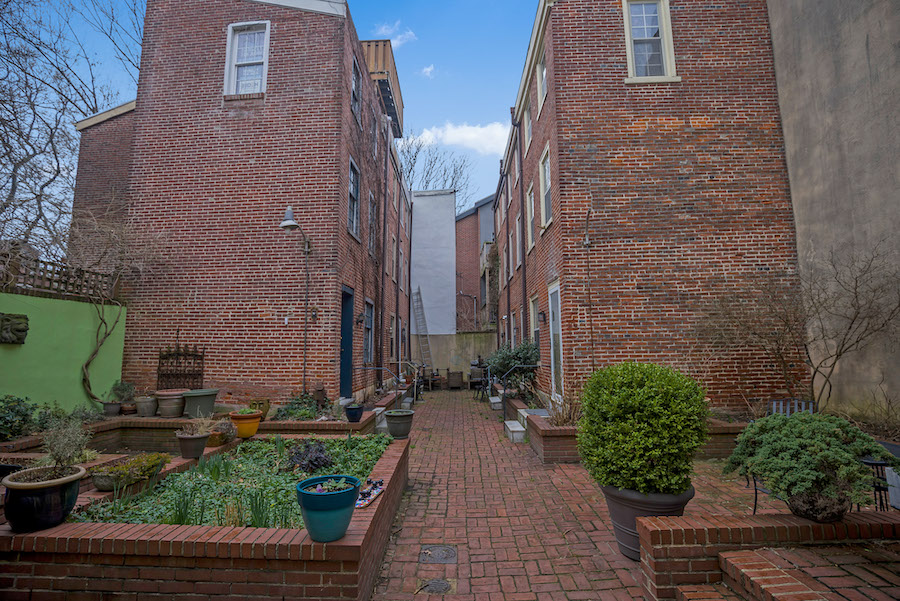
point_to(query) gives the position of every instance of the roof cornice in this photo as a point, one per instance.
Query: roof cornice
(104, 115)
(336, 8)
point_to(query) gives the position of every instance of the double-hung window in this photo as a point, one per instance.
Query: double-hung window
(369, 335)
(518, 241)
(355, 90)
(542, 80)
(247, 58)
(526, 126)
(353, 201)
(546, 189)
(650, 51)
(529, 217)
(373, 224)
(533, 317)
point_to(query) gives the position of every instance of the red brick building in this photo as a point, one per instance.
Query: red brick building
(474, 229)
(244, 108)
(644, 176)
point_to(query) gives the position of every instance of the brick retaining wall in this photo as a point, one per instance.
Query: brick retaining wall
(553, 444)
(722, 439)
(684, 550)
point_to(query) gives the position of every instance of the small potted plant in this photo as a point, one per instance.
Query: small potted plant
(200, 402)
(42, 497)
(354, 412)
(193, 435)
(640, 427)
(119, 474)
(146, 405)
(223, 433)
(399, 422)
(327, 504)
(171, 402)
(811, 461)
(120, 393)
(246, 421)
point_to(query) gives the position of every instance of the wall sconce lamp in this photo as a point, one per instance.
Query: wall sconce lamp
(360, 318)
(542, 317)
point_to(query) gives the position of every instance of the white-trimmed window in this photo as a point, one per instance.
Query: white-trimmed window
(369, 333)
(402, 270)
(518, 241)
(394, 258)
(353, 201)
(509, 258)
(650, 51)
(512, 329)
(373, 224)
(546, 189)
(502, 268)
(247, 53)
(529, 217)
(542, 78)
(392, 337)
(356, 90)
(535, 324)
(527, 126)
(374, 134)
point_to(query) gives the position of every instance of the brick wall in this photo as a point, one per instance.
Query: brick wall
(722, 440)
(553, 444)
(209, 178)
(468, 271)
(684, 550)
(686, 181)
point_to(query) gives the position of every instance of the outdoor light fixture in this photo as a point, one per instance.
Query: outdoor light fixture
(289, 224)
(542, 317)
(360, 318)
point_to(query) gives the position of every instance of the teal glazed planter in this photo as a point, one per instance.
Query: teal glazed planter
(327, 515)
(200, 403)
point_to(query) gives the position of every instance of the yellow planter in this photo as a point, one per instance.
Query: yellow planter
(246, 424)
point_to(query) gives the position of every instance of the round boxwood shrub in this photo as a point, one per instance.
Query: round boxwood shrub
(811, 461)
(642, 424)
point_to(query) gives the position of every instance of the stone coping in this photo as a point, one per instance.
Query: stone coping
(545, 428)
(214, 541)
(365, 424)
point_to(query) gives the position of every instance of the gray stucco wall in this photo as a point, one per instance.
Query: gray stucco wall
(433, 266)
(838, 70)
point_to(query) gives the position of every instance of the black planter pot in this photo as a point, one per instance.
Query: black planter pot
(31, 506)
(625, 506)
(192, 447)
(354, 413)
(8, 468)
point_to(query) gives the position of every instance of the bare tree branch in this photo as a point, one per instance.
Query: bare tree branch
(427, 166)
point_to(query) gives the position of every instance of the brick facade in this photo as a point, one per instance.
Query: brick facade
(210, 176)
(468, 274)
(681, 187)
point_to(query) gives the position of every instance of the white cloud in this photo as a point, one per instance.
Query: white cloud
(391, 30)
(487, 139)
(406, 36)
(428, 71)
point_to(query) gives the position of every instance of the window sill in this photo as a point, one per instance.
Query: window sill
(233, 97)
(354, 236)
(657, 79)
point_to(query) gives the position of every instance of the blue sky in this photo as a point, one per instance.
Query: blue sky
(459, 64)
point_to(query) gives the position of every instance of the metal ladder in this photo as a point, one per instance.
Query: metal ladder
(422, 328)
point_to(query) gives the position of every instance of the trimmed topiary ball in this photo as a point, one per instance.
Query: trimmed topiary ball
(642, 424)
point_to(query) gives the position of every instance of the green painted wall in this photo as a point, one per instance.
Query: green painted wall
(60, 338)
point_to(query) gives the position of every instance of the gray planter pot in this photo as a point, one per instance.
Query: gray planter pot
(200, 402)
(171, 402)
(111, 409)
(192, 446)
(625, 506)
(399, 422)
(107, 482)
(146, 406)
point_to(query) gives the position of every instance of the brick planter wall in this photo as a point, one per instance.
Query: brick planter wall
(722, 439)
(553, 444)
(152, 561)
(684, 550)
(512, 408)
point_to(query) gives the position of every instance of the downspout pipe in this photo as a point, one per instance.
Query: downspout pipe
(386, 125)
(517, 124)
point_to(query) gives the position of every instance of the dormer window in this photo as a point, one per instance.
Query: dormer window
(248, 58)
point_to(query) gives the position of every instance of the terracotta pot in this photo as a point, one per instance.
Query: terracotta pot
(171, 402)
(626, 505)
(31, 506)
(216, 439)
(146, 406)
(246, 424)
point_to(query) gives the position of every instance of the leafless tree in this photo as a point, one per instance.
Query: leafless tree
(427, 166)
(121, 22)
(836, 306)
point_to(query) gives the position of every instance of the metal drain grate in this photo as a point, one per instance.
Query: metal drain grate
(437, 554)
(438, 586)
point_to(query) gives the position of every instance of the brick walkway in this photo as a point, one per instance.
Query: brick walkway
(523, 531)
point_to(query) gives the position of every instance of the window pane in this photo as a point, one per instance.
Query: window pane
(250, 45)
(648, 59)
(249, 79)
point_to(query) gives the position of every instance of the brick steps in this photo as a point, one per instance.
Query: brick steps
(706, 592)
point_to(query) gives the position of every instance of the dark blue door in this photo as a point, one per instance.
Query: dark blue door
(346, 344)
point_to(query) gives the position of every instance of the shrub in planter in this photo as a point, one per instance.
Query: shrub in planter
(812, 461)
(120, 393)
(122, 473)
(641, 425)
(193, 435)
(223, 433)
(42, 497)
(506, 357)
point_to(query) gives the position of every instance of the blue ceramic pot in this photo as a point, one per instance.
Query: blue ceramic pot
(327, 515)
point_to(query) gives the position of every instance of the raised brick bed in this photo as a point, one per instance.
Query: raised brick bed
(722, 439)
(366, 425)
(679, 551)
(553, 444)
(153, 561)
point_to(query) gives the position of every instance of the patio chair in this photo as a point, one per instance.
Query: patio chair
(475, 375)
(454, 379)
